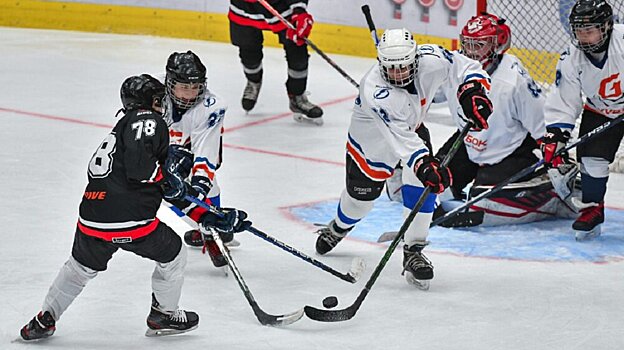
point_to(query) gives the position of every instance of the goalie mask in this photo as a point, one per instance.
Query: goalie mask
(186, 79)
(485, 38)
(591, 24)
(397, 57)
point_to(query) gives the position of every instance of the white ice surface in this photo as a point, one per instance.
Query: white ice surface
(51, 81)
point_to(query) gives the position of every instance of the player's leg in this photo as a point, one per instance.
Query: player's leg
(165, 247)
(249, 42)
(417, 268)
(297, 58)
(356, 201)
(595, 156)
(89, 256)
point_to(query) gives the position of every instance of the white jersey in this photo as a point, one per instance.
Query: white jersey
(518, 109)
(202, 128)
(601, 83)
(384, 120)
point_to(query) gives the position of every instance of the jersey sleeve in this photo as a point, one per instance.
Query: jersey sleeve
(206, 144)
(565, 101)
(146, 139)
(529, 105)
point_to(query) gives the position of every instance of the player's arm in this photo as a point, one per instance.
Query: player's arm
(528, 102)
(472, 86)
(145, 139)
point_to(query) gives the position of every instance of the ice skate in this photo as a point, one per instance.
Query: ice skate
(416, 267)
(587, 225)
(40, 327)
(305, 111)
(329, 237)
(194, 239)
(161, 323)
(250, 95)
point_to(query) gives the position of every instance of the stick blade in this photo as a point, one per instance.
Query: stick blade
(322, 315)
(387, 236)
(278, 320)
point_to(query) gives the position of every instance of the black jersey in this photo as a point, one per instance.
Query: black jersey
(124, 193)
(252, 14)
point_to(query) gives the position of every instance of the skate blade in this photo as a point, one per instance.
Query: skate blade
(302, 118)
(420, 284)
(587, 235)
(162, 332)
(233, 243)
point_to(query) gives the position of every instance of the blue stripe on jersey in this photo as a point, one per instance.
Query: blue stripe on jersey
(205, 160)
(411, 194)
(475, 75)
(347, 220)
(561, 125)
(415, 155)
(369, 162)
(216, 201)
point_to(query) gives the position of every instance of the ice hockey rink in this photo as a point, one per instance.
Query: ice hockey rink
(516, 287)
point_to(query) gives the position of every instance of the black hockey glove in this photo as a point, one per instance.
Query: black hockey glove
(475, 104)
(554, 140)
(232, 221)
(429, 171)
(177, 168)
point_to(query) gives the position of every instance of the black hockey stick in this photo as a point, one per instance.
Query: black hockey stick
(309, 42)
(357, 265)
(264, 318)
(350, 311)
(522, 173)
(371, 24)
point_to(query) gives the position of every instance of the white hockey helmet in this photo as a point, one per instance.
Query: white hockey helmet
(397, 56)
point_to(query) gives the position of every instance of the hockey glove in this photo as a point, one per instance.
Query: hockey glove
(232, 221)
(475, 104)
(302, 22)
(429, 171)
(177, 167)
(554, 140)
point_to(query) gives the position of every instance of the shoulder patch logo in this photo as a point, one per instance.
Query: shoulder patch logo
(382, 93)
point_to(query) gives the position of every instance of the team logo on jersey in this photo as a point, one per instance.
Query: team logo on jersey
(477, 144)
(382, 93)
(611, 87)
(210, 101)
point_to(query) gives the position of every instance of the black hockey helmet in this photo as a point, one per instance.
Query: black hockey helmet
(185, 68)
(587, 14)
(141, 91)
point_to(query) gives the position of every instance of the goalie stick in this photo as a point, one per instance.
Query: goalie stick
(354, 273)
(309, 42)
(387, 236)
(348, 313)
(264, 318)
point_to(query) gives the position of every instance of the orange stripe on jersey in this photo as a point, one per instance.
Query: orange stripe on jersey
(423, 102)
(203, 167)
(485, 83)
(366, 169)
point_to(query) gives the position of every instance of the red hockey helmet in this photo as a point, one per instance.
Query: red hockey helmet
(485, 38)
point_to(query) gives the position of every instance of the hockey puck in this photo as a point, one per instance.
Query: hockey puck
(330, 302)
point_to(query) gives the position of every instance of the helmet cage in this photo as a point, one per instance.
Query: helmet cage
(399, 74)
(182, 102)
(605, 33)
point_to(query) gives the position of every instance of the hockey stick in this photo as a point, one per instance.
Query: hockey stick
(349, 312)
(264, 318)
(522, 173)
(371, 24)
(357, 265)
(309, 42)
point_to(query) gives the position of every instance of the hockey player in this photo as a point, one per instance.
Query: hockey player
(196, 115)
(593, 67)
(491, 156)
(118, 211)
(248, 19)
(393, 101)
